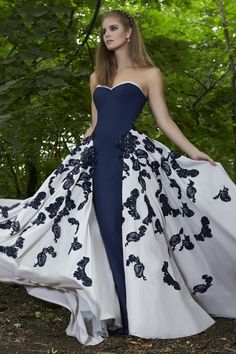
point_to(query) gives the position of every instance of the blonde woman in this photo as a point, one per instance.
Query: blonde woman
(131, 237)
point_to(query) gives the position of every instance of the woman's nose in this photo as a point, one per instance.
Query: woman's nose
(107, 33)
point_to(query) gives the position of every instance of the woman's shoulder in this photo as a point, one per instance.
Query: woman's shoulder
(93, 80)
(153, 76)
(153, 71)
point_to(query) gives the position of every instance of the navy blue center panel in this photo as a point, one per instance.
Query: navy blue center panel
(117, 110)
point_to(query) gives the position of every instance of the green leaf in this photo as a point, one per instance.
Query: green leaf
(5, 118)
(8, 85)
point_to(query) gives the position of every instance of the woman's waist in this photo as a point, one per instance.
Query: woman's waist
(111, 131)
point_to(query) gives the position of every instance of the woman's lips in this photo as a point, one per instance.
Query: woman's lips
(110, 40)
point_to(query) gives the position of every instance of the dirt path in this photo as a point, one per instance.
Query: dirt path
(29, 325)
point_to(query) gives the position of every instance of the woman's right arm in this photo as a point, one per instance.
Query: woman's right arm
(92, 84)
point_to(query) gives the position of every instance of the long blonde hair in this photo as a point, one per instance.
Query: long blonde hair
(105, 59)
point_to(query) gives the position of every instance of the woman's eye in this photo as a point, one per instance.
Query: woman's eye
(112, 28)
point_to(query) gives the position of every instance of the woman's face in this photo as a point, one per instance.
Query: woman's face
(113, 33)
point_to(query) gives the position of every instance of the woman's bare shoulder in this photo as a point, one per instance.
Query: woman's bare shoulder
(153, 78)
(153, 73)
(93, 80)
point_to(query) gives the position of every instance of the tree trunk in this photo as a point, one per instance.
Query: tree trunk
(232, 67)
(33, 178)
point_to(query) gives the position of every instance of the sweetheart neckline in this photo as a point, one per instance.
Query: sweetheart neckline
(121, 83)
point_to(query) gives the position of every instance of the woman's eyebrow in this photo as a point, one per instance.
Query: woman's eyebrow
(116, 24)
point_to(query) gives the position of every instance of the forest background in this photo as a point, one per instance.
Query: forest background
(47, 52)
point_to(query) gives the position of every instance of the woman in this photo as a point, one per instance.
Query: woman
(131, 237)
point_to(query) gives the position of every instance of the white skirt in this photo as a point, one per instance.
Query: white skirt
(179, 243)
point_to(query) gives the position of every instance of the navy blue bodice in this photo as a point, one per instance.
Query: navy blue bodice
(118, 108)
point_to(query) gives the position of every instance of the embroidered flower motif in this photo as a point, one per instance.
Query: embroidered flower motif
(138, 266)
(5, 209)
(202, 288)
(12, 251)
(42, 256)
(223, 195)
(87, 158)
(75, 245)
(135, 236)
(80, 273)
(36, 202)
(168, 279)
(149, 145)
(54, 207)
(127, 144)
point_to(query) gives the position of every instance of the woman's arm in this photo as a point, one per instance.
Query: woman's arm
(165, 122)
(92, 84)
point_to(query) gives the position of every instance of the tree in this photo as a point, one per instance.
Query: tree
(46, 57)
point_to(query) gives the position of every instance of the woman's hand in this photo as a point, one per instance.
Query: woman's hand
(199, 155)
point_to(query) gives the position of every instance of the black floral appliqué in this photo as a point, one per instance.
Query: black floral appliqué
(50, 187)
(56, 229)
(42, 256)
(174, 184)
(61, 169)
(40, 219)
(80, 273)
(155, 168)
(183, 172)
(135, 236)
(125, 169)
(76, 149)
(158, 227)
(5, 209)
(168, 279)
(143, 173)
(75, 245)
(69, 205)
(186, 211)
(178, 238)
(73, 221)
(14, 225)
(166, 208)
(165, 166)
(158, 192)
(68, 181)
(138, 267)
(36, 202)
(12, 251)
(85, 183)
(151, 212)
(202, 288)
(53, 208)
(127, 144)
(205, 230)
(130, 204)
(223, 195)
(191, 191)
(88, 157)
(149, 145)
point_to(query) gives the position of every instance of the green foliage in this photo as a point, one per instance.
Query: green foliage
(45, 316)
(47, 54)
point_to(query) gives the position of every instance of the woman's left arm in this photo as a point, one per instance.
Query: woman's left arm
(165, 122)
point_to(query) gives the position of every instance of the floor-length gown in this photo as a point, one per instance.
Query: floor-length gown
(125, 233)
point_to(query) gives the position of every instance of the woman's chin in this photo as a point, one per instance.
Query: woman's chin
(114, 47)
(110, 47)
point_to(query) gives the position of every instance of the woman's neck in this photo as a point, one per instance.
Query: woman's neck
(122, 59)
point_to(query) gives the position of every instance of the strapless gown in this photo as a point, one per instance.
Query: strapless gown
(126, 234)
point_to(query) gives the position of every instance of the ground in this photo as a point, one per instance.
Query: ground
(29, 325)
